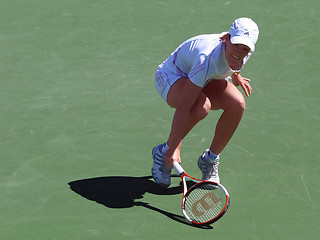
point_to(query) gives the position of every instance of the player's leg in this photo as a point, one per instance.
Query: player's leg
(172, 95)
(199, 110)
(223, 95)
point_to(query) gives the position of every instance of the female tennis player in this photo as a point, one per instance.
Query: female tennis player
(194, 80)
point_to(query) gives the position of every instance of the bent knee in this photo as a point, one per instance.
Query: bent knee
(238, 104)
(201, 108)
(204, 110)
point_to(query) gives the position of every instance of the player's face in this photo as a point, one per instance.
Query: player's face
(235, 54)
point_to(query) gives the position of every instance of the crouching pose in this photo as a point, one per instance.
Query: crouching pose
(194, 80)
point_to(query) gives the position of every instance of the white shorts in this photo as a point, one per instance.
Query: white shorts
(164, 79)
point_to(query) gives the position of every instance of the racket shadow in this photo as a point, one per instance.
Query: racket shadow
(126, 192)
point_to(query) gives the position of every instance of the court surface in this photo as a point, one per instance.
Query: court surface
(79, 116)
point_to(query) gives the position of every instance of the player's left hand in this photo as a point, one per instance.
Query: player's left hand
(244, 83)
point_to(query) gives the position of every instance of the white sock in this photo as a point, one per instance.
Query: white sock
(212, 155)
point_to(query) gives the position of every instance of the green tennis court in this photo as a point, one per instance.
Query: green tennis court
(79, 116)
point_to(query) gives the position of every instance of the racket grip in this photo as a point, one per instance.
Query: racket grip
(178, 168)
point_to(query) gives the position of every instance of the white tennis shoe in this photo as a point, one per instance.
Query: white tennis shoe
(209, 167)
(160, 172)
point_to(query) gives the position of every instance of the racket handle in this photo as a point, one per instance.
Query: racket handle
(178, 168)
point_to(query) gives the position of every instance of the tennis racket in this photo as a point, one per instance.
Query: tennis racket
(203, 203)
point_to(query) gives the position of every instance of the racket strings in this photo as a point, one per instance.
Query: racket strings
(204, 202)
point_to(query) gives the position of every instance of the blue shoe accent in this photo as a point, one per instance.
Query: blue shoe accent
(160, 172)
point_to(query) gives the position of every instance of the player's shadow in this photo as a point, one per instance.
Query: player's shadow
(126, 192)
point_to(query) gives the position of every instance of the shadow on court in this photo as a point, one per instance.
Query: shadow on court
(122, 192)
